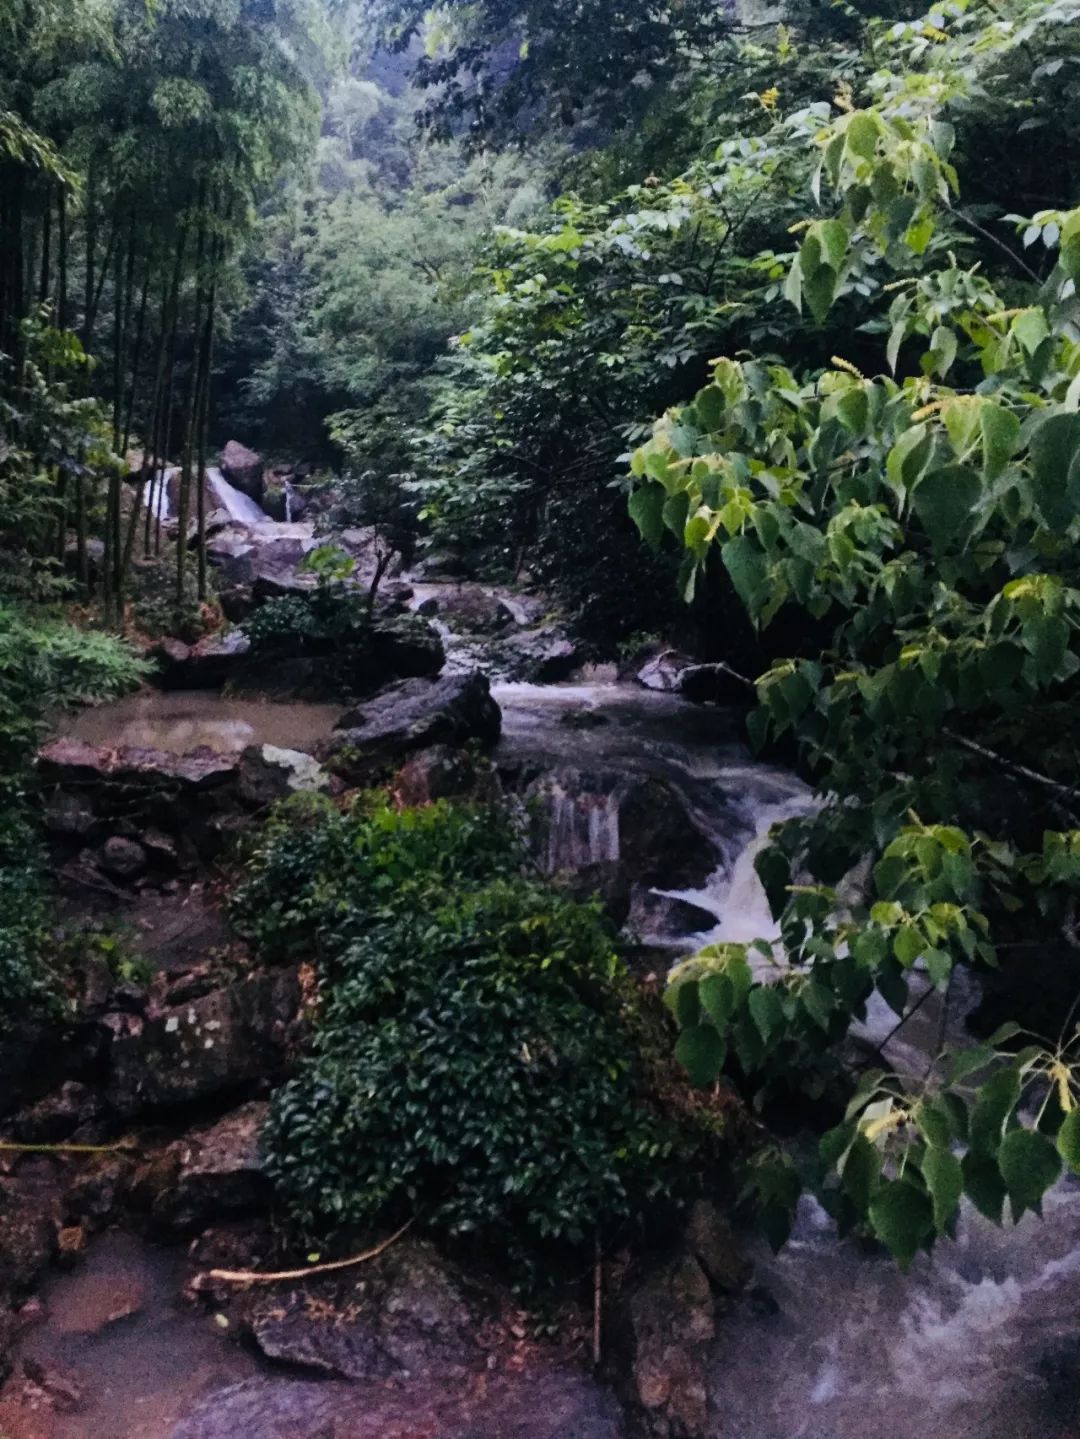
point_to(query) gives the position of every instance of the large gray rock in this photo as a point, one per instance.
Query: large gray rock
(268, 774)
(208, 665)
(664, 671)
(216, 1172)
(405, 1314)
(413, 715)
(243, 468)
(662, 1335)
(153, 810)
(544, 655)
(557, 1404)
(659, 842)
(468, 609)
(213, 1046)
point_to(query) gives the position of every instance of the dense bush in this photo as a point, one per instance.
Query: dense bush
(333, 613)
(318, 874)
(44, 662)
(477, 1055)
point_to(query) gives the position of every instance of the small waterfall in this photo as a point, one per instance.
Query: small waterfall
(288, 502)
(239, 507)
(157, 492)
(582, 828)
(736, 895)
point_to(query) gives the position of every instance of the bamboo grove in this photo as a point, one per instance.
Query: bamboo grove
(137, 139)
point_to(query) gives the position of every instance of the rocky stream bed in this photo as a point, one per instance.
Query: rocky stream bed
(111, 1324)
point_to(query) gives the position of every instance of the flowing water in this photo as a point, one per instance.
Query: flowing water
(240, 508)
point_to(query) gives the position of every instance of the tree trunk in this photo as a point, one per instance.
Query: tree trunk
(192, 408)
(166, 418)
(91, 254)
(46, 247)
(62, 260)
(204, 424)
(136, 360)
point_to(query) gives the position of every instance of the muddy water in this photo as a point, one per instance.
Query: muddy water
(184, 720)
(118, 1330)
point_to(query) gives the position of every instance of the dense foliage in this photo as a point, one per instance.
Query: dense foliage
(135, 141)
(924, 519)
(476, 1058)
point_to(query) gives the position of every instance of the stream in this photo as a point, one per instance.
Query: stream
(980, 1339)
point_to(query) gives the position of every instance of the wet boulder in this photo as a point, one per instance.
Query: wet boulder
(405, 1314)
(152, 811)
(215, 1171)
(268, 774)
(122, 858)
(664, 671)
(543, 655)
(414, 715)
(469, 609)
(213, 1046)
(405, 647)
(243, 468)
(208, 665)
(660, 917)
(29, 1221)
(662, 1328)
(443, 772)
(59, 1114)
(659, 841)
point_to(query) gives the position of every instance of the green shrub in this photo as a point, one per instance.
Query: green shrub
(332, 614)
(477, 1053)
(26, 986)
(318, 873)
(476, 1065)
(44, 663)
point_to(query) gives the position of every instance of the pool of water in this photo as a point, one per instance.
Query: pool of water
(179, 721)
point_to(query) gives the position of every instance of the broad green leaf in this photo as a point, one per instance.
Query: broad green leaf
(745, 564)
(647, 511)
(902, 1218)
(701, 1052)
(1030, 1165)
(687, 1003)
(861, 1172)
(984, 1185)
(718, 998)
(993, 1107)
(1068, 1140)
(945, 1181)
(908, 945)
(766, 1010)
(1000, 436)
(1030, 328)
(711, 407)
(1055, 445)
(944, 501)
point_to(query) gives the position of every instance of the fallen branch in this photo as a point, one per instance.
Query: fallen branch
(1021, 770)
(253, 1276)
